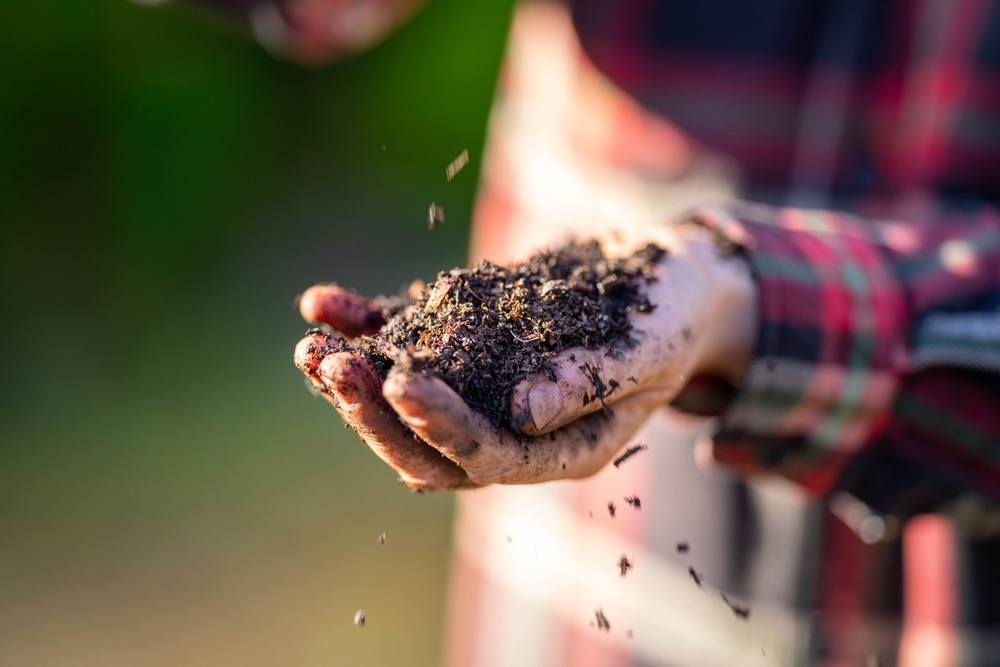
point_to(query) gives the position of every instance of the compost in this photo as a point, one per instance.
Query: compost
(485, 328)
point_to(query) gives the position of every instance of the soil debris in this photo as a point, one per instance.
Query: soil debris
(381, 539)
(630, 452)
(359, 618)
(695, 576)
(611, 509)
(634, 502)
(457, 165)
(483, 329)
(435, 216)
(592, 372)
(624, 565)
(602, 621)
(742, 611)
(682, 547)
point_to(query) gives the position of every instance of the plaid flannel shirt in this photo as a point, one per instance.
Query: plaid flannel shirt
(875, 379)
(872, 334)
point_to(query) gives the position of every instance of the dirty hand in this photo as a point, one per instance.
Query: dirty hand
(702, 323)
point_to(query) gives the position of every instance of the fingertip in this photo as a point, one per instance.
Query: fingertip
(349, 313)
(394, 387)
(302, 356)
(536, 406)
(312, 303)
(545, 405)
(448, 477)
(336, 377)
(407, 393)
(350, 376)
(311, 350)
(432, 409)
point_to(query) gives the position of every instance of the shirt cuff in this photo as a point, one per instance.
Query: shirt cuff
(831, 342)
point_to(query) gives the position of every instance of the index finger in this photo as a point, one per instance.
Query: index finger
(349, 313)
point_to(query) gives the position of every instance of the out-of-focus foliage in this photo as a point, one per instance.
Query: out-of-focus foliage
(169, 492)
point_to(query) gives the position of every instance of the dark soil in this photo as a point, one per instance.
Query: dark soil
(742, 611)
(629, 453)
(624, 565)
(485, 328)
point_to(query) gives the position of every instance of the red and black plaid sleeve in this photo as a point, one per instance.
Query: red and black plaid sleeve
(869, 331)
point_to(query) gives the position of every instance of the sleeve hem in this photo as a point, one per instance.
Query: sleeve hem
(830, 344)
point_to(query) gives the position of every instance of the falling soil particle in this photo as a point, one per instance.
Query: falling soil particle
(484, 329)
(359, 618)
(682, 547)
(611, 509)
(634, 502)
(435, 216)
(695, 576)
(381, 539)
(624, 565)
(630, 452)
(602, 621)
(742, 611)
(457, 165)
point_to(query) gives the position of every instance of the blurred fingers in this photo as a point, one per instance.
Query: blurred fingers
(311, 350)
(440, 416)
(493, 455)
(353, 385)
(347, 312)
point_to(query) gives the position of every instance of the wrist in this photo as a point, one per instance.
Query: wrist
(719, 297)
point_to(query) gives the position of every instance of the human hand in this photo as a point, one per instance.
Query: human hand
(704, 325)
(426, 432)
(316, 32)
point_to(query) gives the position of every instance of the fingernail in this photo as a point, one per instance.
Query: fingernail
(544, 403)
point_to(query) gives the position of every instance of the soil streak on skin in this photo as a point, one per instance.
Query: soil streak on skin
(484, 329)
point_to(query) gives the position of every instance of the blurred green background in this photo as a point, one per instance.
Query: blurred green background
(170, 494)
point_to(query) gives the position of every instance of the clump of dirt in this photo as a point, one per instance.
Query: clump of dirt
(485, 328)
